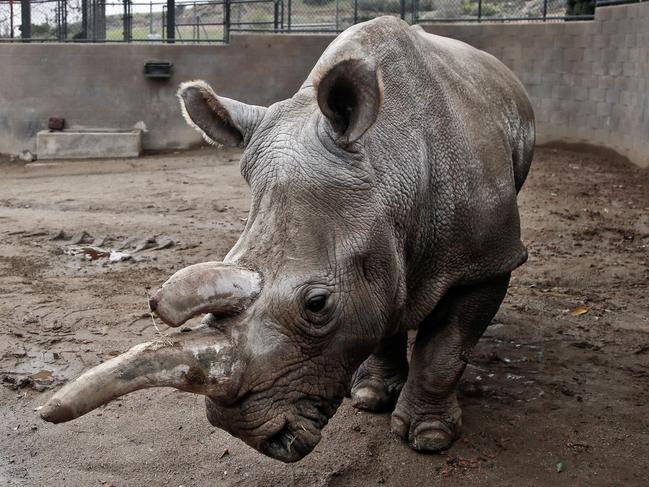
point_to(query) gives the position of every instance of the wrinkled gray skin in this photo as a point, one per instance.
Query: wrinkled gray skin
(383, 200)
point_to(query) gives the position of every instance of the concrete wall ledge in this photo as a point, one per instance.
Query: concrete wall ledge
(88, 144)
(103, 85)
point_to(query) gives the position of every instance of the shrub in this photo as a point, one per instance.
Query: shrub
(43, 31)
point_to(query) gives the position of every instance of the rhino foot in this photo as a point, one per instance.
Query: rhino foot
(427, 432)
(379, 380)
(376, 394)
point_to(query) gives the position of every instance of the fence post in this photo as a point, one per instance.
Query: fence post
(126, 21)
(83, 35)
(25, 20)
(171, 21)
(337, 15)
(545, 9)
(11, 19)
(60, 21)
(289, 15)
(355, 12)
(276, 15)
(226, 21)
(196, 31)
(479, 10)
(403, 9)
(64, 17)
(96, 20)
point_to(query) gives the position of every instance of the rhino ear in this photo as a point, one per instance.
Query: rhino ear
(220, 120)
(350, 95)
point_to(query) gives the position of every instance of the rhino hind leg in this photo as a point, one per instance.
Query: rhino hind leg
(427, 414)
(379, 380)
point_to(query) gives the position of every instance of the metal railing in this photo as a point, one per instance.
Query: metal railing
(498, 11)
(195, 21)
(213, 20)
(257, 15)
(605, 3)
(113, 21)
(337, 15)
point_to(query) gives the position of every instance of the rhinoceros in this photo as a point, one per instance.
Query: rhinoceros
(384, 200)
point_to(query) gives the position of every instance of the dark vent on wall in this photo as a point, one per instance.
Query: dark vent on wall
(157, 69)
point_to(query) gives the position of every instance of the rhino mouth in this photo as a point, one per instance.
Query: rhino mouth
(297, 436)
(293, 441)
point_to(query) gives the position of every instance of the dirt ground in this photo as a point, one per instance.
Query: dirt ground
(556, 392)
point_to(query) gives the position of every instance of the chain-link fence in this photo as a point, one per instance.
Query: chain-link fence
(113, 21)
(197, 21)
(312, 15)
(337, 15)
(492, 10)
(41, 20)
(212, 20)
(265, 15)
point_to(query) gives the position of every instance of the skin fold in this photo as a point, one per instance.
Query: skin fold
(383, 201)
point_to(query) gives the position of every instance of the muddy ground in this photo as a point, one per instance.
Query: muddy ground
(551, 397)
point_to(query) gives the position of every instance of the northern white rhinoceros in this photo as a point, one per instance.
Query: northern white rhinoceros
(383, 201)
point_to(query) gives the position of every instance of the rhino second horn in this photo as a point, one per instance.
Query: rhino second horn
(187, 362)
(209, 287)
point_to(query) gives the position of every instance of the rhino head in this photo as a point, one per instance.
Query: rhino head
(308, 290)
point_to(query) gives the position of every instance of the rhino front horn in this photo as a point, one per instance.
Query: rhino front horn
(201, 362)
(210, 287)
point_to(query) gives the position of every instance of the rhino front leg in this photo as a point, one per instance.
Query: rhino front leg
(379, 380)
(427, 414)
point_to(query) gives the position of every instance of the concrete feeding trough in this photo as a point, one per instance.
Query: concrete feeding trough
(86, 143)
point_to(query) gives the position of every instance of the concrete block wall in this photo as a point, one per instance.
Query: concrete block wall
(103, 85)
(588, 81)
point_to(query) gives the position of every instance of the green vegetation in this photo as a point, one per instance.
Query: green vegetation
(489, 9)
(43, 31)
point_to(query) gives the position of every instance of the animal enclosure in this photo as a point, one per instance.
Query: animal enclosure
(555, 392)
(559, 378)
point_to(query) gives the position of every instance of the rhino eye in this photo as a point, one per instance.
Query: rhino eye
(317, 303)
(319, 310)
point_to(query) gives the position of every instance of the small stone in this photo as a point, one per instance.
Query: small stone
(81, 238)
(26, 156)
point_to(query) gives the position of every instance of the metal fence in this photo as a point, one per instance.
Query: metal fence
(113, 21)
(212, 21)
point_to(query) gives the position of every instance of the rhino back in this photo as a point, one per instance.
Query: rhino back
(450, 149)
